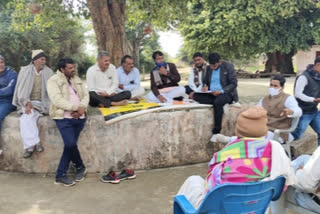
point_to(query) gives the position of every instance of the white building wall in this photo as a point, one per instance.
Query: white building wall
(304, 58)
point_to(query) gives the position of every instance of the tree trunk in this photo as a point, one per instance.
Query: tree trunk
(108, 18)
(136, 53)
(280, 62)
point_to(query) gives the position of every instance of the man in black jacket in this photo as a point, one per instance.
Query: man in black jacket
(219, 88)
(307, 93)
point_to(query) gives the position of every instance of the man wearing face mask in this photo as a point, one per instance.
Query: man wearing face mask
(281, 108)
(307, 92)
(164, 81)
(32, 100)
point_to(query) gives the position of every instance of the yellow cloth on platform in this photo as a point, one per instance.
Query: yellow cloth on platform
(115, 111)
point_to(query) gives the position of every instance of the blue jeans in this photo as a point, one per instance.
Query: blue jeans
(5, 109)
(305, 120)
(70, 130)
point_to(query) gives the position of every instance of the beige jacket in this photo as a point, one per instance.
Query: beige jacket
(58, 91)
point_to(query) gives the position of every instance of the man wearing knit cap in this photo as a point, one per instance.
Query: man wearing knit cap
(249, 158)
(32, 101)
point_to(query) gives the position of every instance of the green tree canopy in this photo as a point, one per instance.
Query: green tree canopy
(245, 28)
(63, 36)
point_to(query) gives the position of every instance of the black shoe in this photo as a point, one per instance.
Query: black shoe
(64, 180)
(80, 173)
(126, 174)
(27, 154)
(111, 177)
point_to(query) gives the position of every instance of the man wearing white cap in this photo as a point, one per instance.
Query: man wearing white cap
(32, 101)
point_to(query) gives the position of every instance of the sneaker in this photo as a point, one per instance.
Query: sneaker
(111, 177)
(39, 148)
(64, 180)
(127, 174)
(80, 173)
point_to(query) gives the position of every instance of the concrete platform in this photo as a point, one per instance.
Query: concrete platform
(155, 140)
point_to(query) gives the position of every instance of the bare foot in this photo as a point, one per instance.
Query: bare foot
(135, 99)
(121, 103)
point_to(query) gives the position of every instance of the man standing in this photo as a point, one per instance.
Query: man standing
(32, 101)
(69, 101)
(197, 74)
(307, 92)
(102, 81)
(8, 79)
(164, 81)
(129, 78)
(220, 88)
(281, 107)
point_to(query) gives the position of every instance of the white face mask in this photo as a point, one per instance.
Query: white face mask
(274, 91)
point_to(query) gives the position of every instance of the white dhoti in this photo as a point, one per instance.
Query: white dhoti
(194, 190)
(29, 129)
(138, 92)
(168, 93)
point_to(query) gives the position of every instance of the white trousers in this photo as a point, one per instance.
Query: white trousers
(138, 92)
(194, 190)
(28, 129)
(175, 92)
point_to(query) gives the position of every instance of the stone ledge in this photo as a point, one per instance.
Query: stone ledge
(155, 140)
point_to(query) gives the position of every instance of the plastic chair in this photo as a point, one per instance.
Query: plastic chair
(233, 198)
(277, 132)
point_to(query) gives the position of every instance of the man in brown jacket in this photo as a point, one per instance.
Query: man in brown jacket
(164, 81)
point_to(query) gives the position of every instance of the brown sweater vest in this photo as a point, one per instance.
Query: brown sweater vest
(36, 89)
(274, 106)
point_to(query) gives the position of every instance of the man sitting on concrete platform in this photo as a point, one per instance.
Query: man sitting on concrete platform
(281, 108)
(197, 74)
(8, 80)
(164, 81)
(219, 88)
(69, 102)
(102, 81)
(129, 78)
(32, 101)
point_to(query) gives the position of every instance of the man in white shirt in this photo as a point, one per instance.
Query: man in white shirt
(307, 169)
(197, 74)
(307, 92)
(102, 81)
(129, 78)
(281, 107)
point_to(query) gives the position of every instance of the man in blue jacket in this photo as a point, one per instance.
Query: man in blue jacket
(8, 79)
